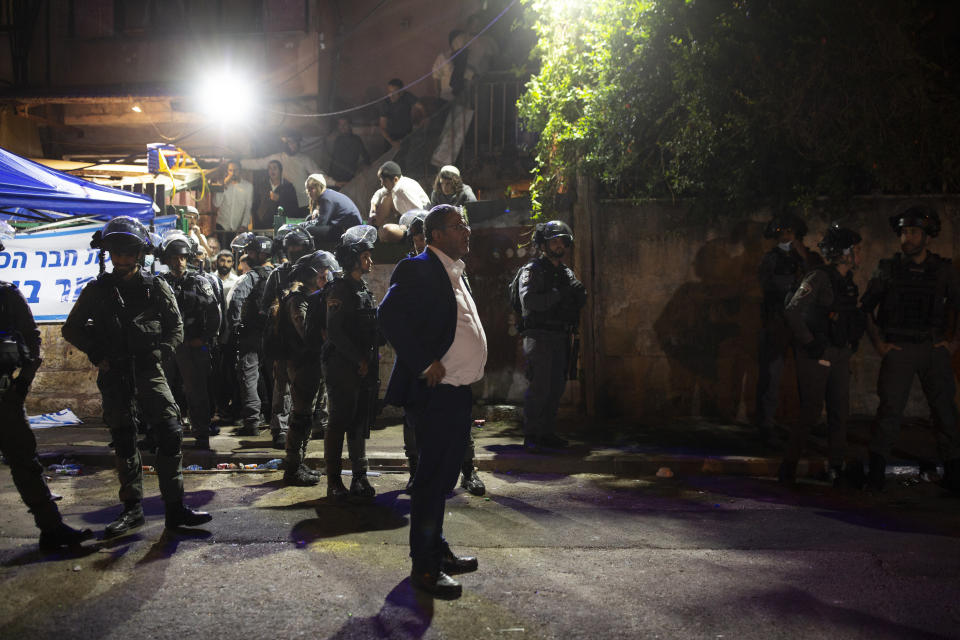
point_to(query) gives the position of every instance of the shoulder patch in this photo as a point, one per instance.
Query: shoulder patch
(803, 290)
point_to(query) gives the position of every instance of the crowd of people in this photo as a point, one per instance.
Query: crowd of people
(183, 344)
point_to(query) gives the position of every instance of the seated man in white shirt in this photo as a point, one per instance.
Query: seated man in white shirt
(398, 195)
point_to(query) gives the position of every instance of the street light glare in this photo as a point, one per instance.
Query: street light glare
(226, 97)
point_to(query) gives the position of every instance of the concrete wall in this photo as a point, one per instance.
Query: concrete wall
(678, 307)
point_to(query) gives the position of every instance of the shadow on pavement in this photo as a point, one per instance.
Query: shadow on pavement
(342, 518)
(406, 614)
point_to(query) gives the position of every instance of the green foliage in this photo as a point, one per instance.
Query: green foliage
(742, 103)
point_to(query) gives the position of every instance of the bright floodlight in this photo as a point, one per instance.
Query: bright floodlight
(226, 97)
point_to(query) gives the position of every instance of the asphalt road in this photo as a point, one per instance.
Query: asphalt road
(580, 556)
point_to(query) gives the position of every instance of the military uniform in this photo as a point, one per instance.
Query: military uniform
(827, 327)
(246, 325)
(301, 350)
(551, 298)
(200, 312)
(780, 273)
(20, 349)
(352, 338)
(277, 282)
(135, 323)
(915, 307)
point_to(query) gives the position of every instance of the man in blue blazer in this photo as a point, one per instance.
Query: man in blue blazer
(431, 320)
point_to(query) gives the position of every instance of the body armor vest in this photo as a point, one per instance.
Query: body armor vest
(915, 296)
(192, 300)
(841, 323)
(787, 270)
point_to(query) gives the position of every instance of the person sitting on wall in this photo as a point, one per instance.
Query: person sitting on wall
(448, 188)
(331, 212)
(397, 195)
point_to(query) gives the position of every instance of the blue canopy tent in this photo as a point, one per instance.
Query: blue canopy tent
(30, 191)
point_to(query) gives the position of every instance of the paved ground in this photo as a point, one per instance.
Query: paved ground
(561, 556)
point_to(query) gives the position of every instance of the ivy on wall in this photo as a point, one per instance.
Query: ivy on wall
(741, 104)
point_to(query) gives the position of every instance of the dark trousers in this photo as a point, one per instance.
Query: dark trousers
(547, 354)
(305, 382)
(897, 370)
(350, 403)
(191, 366)
(19, 447)
(150, 395)
(441, 421)
(774, 342)
(249, 375)
(819, 384)
(280, 406)
(410, 446)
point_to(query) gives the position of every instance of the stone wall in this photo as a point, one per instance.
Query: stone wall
(677, 306)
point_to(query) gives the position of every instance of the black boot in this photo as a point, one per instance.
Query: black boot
(63, 536)
(335, 487)
(179, 515)
(360, 488)
(878, 473)
(471, 481)
(787, 473)
(131, 518)
(296, 473)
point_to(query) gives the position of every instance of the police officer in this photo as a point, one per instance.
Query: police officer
(246, 325)
(200, 312)
(780, 272)
(350, 363)
(19, 362)
(551, 298)
(412, 224)
(302, 342)
(294, 243)
(827, 326)
(912, 302)
(126, 321)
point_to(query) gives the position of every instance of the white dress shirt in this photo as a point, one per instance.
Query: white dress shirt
(234, 205)
(467, 356)
(407, 195)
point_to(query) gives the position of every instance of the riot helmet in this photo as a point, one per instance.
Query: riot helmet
(249, 241)
(837, 242)
(545, 232)
(413, 221)
(918, 216)
(308, 266)
(174, 243)
(782, 222)
(353, 243)
(294, 236)
(122, 234)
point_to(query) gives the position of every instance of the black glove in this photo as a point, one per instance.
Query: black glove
(815, 349)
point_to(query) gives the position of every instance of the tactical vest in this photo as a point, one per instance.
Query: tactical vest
(250, 316)
(192, 301)
(787, 270)
(130, 312)
(561, 316)
(362, 307)
(841, 323)
(14, 352)
(915, 295)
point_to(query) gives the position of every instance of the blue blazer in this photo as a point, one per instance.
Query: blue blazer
(418, 316)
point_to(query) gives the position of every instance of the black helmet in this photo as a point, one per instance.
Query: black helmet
(553, 229)
(413, 221)
(174, 243)
(311, 264)
(123, 233)
(919, 216)
(248, 241)
(785, 221)
(837, 241)
(353, 242)
(295, 235)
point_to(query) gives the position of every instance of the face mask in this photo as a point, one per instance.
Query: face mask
(147, 261)
(329, 276)
(785, 246)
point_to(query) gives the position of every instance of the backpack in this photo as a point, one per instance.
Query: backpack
(515, 302)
